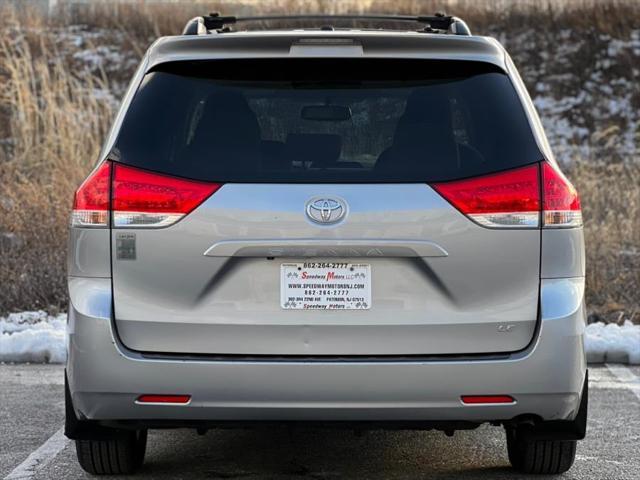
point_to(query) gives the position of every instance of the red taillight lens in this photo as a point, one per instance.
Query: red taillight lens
(91, 201)
(146, 199)
(164, 399)
(516, 197)
(137, 198)
(561, 203)
(505, 199)
(486, 399)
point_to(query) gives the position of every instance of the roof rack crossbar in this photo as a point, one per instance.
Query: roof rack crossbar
(437, 22)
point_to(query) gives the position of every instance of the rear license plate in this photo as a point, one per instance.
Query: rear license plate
(325, 286)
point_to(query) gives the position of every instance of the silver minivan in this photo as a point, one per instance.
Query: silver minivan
(350, 227)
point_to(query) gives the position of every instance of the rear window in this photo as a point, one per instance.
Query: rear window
(324, 120)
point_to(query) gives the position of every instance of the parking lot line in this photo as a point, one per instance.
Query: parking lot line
(626, 376)
(41, 457)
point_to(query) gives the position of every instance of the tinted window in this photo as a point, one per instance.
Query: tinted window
(326, 121)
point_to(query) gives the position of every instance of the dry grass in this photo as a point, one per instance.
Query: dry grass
(153, 19)
(611, 207)
(53, 117)
(55, 123)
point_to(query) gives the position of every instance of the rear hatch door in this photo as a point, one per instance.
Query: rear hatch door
(357, 182)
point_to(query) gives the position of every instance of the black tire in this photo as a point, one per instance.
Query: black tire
(122, 455)
(546, 457)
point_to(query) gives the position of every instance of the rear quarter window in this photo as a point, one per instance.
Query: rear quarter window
(320, 120)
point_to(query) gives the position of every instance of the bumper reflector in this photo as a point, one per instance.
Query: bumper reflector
(165, 399)
(484, 399)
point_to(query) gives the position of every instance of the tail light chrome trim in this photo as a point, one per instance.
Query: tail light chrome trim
(90, 218)
(508, 219)
(562, 219)
(144, 219)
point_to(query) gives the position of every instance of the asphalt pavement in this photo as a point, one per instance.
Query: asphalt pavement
(32, 447)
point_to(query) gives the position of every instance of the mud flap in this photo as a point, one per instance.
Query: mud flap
(76, 429)
(575, 429)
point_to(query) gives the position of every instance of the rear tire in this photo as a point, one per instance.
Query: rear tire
(121, 455)
(547, 457)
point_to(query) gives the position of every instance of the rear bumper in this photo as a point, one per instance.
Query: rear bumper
(546, 379)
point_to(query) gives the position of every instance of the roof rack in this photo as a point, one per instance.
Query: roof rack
(438, 23)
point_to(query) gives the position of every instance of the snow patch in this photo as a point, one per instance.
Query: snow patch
(33, 337)
(98, 57)
(613, 343)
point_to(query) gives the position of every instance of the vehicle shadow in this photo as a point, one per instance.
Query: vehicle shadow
(283, 453)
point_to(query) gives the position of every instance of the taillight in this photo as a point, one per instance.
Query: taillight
(91, 201)
(146, 199)
(527, 197)
(508, 199)
(136, 198)
(561, 204)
